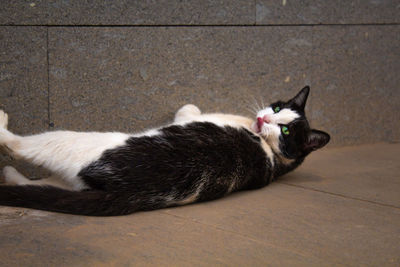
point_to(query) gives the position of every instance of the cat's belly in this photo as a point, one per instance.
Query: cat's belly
(197, 161)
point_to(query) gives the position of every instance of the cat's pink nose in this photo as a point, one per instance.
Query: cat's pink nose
(266, 119)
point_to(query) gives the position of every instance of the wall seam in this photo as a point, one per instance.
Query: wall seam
(49, 123)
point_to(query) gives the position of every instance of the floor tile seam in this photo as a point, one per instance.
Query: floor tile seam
(200, 25)
(48, 79)
(255, 12)
(219, 228)
(312, 65)
(340, 195)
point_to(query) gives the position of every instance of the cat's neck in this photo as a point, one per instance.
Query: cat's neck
(283, 165)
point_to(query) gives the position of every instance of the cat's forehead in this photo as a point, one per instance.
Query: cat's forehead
(287, 105)
(285, 115)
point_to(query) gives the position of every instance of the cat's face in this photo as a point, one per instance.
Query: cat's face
(284, 126)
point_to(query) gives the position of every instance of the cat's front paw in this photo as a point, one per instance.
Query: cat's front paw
(186, 112)
(3, 119)
(189, 109)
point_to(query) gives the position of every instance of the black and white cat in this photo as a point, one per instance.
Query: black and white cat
(198, 157)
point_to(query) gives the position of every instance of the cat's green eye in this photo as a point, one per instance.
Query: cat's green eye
(285, 130)
(277, 109)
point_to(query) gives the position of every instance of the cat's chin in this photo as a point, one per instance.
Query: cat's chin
(260, 130)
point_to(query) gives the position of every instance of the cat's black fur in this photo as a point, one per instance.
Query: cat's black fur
(181, 158)
(198, 159)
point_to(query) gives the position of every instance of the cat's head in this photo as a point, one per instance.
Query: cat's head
(284, 126)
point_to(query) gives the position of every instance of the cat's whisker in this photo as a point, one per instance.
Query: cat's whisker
(251, 105)
(248, 102)
(252, 111)
(256, 103)
(262, 103)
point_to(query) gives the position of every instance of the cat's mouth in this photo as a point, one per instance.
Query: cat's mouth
(257, 126)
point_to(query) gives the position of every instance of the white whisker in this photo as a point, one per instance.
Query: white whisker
(251, 110)
(256, 103)
(262, 103)
(249, 106)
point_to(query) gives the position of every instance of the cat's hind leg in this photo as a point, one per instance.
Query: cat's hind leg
(186, 113)
(13, 177)
(64, 153)
(3, 119)
(6, 136)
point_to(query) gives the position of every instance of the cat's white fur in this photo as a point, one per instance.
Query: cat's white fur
(65, 153)
(13, 177)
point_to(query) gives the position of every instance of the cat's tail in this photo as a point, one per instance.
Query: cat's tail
(93, 203)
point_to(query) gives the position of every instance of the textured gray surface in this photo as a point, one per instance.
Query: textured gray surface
(129, 79)
(23, 77)
(23, 84)
(356, 81)
(327, 12)
(125, 12)
(193, 12)
(132, 78)
(331, 211)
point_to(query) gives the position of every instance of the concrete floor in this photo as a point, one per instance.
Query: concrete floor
(342, 207)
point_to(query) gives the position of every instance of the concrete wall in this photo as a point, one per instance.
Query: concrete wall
(129, 65)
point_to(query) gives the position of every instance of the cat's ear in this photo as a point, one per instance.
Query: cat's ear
(316, 139)
(301, 98)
